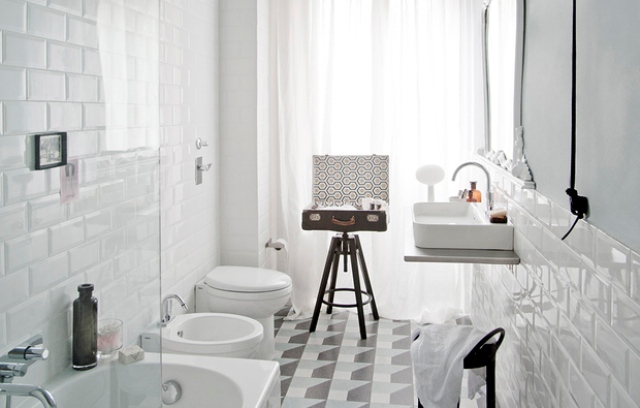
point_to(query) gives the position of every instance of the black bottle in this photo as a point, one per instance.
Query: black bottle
(85, 329)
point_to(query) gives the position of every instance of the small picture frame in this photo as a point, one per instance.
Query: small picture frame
(51, 150)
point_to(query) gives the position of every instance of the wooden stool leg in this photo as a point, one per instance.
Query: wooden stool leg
(357, 288)
(334, 276)
(365, 277)
(323, 284)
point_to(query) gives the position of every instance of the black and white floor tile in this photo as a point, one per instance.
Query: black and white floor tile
(334, 368)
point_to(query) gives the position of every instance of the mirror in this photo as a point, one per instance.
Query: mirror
(503, 54)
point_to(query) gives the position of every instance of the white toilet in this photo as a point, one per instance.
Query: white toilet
(254, 292)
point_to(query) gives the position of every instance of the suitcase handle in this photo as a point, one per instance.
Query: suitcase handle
(351, 221)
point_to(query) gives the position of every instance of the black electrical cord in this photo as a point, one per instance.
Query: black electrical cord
(579, 204)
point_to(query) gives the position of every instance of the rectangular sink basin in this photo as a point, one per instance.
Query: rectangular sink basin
(458, 225)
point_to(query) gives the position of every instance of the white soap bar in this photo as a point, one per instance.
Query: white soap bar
(131, 354)
(499, 212)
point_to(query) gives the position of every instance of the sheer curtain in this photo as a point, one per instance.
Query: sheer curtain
(396, 77)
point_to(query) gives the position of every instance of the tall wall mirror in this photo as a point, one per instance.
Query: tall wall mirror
(503, 55)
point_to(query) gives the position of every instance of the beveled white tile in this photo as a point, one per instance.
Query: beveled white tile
(24, 51)
(14, 83)
(625, 318)
(84, 256)
(97, 223)
(66, 235)
(613, 260)
(12, 152)
(112, 244)
(582, 393)
(47, 23)
(65, 116)
(94, 115)
(49, 272)
(635, 276)
(83, 88)
(23, 184)
(63, 57)
(82, 32)
(583, 241)
(24, 117)
(596, 374)
(596, 291)
(14, 289)
(26, 250)
(619, 397)
(81, 144)
(612, 350)
(27, 317)
(47, 85)
(92, 64)
(69, 6)
(100, 275)
(13, 16)
(97, 169)
(46, 211)
(87, 203)
(13, 220)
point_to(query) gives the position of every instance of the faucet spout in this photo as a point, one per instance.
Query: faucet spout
(166, 307)
(28, 390)
(476, 164)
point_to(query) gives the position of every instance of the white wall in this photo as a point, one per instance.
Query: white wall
(572, 308)
(189, 103)
(134, 86)
(89, 68)
(608, 90)
(244, 145)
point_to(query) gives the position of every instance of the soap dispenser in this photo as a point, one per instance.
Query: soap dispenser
(477, 195)
(85, 329)
(470, 198)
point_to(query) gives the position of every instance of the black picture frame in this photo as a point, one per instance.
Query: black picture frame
(51, 150)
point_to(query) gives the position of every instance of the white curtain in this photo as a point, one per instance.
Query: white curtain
(394, 77)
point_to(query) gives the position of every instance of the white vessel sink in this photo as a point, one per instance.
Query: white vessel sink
(458, 225)
(218, 334)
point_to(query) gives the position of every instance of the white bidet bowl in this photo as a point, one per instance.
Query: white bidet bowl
(214, 334)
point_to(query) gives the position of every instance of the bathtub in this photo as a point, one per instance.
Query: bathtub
(215, 382)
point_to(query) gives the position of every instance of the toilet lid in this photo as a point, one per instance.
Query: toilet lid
(246, 279)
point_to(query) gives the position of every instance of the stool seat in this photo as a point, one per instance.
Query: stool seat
(347, 245)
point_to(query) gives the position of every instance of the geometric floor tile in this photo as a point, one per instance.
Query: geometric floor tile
(333, 368)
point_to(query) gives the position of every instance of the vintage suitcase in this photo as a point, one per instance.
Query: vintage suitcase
(350, 193)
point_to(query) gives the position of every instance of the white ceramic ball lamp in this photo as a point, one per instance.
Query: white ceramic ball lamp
(430, 175)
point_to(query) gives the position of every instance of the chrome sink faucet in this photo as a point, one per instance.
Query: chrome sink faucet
(166, 308)
(476, 164)
(28, 390)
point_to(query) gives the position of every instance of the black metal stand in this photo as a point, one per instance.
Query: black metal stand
(484, 355)
(348, 246)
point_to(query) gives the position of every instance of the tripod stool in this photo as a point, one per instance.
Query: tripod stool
(347, 245)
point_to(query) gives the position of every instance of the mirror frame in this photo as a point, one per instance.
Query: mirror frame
(513, 162)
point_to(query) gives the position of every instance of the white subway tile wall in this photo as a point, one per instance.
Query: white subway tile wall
(571, 310)
(53, 55)
(189, 104)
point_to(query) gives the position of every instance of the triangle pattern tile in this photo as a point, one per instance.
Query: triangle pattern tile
(288, 366)
(291, 402)
(319, 391)
(362, 393)
(327, 371)
(402, 359)
(403, 396)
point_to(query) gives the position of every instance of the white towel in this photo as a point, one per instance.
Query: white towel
(438, 362)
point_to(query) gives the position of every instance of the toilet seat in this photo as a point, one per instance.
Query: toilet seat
(246, 279)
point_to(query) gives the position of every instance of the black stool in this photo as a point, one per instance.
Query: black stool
(483, 354)
(349, 246)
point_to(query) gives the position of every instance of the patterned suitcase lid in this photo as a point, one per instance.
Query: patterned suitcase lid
(347, 179)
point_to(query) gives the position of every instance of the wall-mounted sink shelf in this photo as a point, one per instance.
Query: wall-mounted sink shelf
(457, 232)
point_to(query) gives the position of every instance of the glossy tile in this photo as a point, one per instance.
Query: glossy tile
(47, 86)
(23, 51)
(47, 23)
(14, 83)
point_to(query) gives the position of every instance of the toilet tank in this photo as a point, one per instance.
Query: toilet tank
(202, 298)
